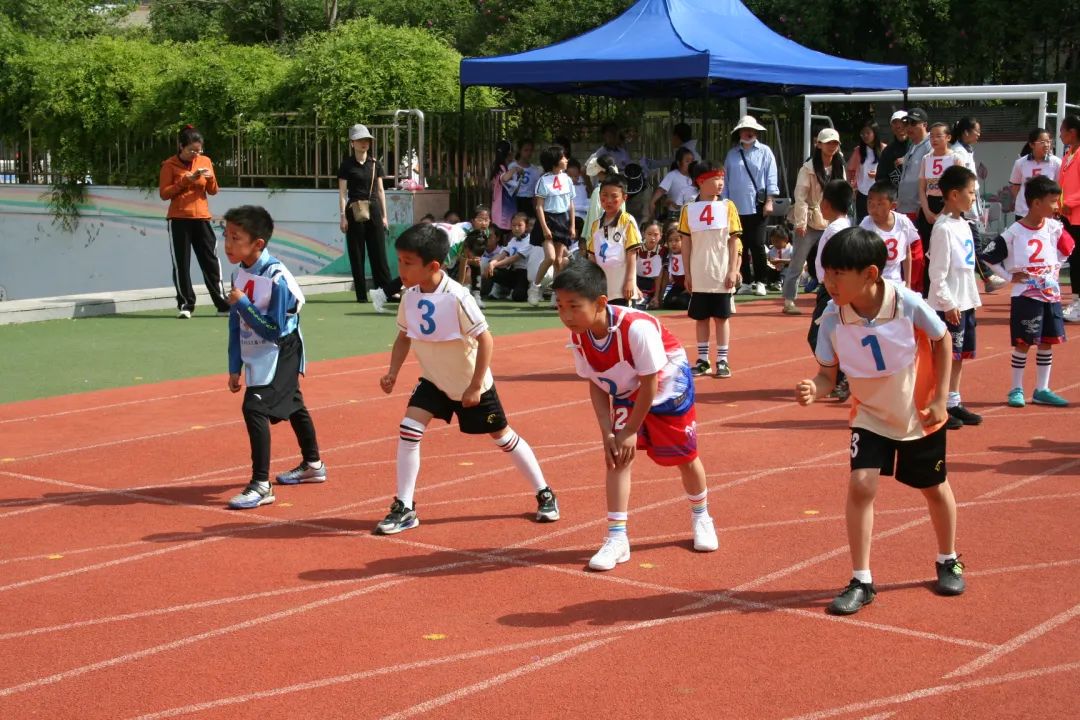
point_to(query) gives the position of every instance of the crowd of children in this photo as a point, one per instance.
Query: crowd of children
(898, 353)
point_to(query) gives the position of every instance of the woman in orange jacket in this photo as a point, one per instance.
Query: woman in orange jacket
(186, 179)
(1069, 179)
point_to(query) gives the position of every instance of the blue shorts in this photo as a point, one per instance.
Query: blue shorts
(963, 335)
(1034, 322)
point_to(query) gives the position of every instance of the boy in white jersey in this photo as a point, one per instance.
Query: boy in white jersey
(893, 349)
(439, 320)
(265, 342)
(711, 229)
(511, 267)
(836, 198)
(953, 291)
(643, 396)
(1030, 253)
(892, 227)
(614, 241)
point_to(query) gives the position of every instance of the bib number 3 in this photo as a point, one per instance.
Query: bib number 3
(427, 316)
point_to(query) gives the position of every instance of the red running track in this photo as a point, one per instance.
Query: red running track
(128, 591)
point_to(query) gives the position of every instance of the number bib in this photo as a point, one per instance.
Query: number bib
(707, 215)
(610, 251)
(648, 267)
(432, 316)
(675, 265)
(556, 184)
(259, 355)
(877, 351)
(936, 165)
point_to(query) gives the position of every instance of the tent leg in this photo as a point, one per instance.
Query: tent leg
(461, 152)
(704, 118)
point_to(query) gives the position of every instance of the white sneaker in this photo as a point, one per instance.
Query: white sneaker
(479, 300)
(759, 289)
(183, 315)
(611, 553)
(498, 292)
(790, 308)
(705, 535)
(378, 299)
(745, 289)
(1071, 312)
(535, 295)
(994, 283)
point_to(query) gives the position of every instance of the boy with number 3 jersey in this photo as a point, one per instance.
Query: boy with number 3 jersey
(440, 320)
(893, 349)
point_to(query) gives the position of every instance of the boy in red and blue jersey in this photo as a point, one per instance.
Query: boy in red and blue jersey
(643, 395)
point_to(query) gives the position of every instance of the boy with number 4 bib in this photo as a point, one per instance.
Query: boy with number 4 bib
(643, 396)
(895, 352)
(265, 342)
(440, 320)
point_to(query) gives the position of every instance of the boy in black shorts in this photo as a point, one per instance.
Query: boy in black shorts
(440, 321)
(897, 355)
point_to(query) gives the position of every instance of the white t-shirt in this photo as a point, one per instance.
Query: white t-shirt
(680, 188)
(868, 166)
(1027, 167)
(831, 229)
(778, 254)
(952, 266)
(898, 242)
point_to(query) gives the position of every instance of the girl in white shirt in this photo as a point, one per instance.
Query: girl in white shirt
(1038, 160)
(862, 168)
(677, 186)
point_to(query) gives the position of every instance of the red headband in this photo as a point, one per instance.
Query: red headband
(709, 175)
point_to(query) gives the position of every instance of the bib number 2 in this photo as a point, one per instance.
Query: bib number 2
(619, 417)
(427, 316)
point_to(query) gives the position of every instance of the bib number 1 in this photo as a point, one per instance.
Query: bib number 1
(871, 342)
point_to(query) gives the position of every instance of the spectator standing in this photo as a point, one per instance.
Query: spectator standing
(750, 170)
(1070, 204)
(890, 164)
(362, 202)
(907, 194)
(863, 165)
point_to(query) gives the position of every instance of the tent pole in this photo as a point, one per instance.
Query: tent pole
(704, 118)
(461, 152)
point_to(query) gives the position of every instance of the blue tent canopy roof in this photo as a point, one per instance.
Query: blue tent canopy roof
(670, 48)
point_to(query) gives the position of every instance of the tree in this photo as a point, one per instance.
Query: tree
(64, 18)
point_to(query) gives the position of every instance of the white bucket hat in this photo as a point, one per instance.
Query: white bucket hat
(359, 132)
(748, 122)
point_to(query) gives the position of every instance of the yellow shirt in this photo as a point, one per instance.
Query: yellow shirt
(609, 245)
(709, 226)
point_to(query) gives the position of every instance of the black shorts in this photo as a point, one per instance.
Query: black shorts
(525, 205)
(558, 224)
(709, 305)
(1034, 322)
(963, 335)
(917, 463)
(282, 397)
(487, 417)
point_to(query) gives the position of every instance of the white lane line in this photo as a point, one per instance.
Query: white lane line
(1016, 643)
(500, 679)
(938, 690)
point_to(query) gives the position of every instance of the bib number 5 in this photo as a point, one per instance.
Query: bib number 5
(427, 316)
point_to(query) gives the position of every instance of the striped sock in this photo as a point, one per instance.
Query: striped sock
(1043, 360)
(411, 432)
(616, 524)
(1019, 361)
(699, 504)
(721, 353)
(703, 351)
(954, 400)
(521, 454)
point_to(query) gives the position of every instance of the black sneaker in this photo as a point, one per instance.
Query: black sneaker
(702, 367)
(400, 518)
(723, 370)
(953, 423)
(964, 415)
(950, 577)
(854, 596)
(547, 507)
(841, 392)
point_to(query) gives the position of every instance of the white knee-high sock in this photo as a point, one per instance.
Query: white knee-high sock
(408, 459)
(523, 458)
(1043, 360)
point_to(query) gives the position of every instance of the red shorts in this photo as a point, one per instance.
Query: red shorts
(669, 440)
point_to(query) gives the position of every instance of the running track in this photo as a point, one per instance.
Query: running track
(128, 591)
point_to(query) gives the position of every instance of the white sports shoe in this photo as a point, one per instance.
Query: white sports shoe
(759, 289)
(479, 300)
(744, 289)
(1072, 311)
(183, 315)
(705, 535)
(994, 283)
(378, 298)
(535, 295)
(611, 553)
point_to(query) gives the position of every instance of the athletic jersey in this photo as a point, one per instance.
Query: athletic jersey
(519, 248)
(444, 326)
(524, 185)
(608, 243)
(952, 266)
(709, 223)
(679, 188)
(1027, 167)
(269, 311)
(1040, 252)
(888, 361)
(649, 264)
(831, 229)
(898, 242)
(932, 168)
(557, 191)
(781, 256)
(636, 344)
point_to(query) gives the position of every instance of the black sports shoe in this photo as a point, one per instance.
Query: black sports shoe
(547, 507)
(953, 423)
(400, 518)
(701, 367)
(854, 596)
(950, 577)
(964, 415)
(841, 392)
